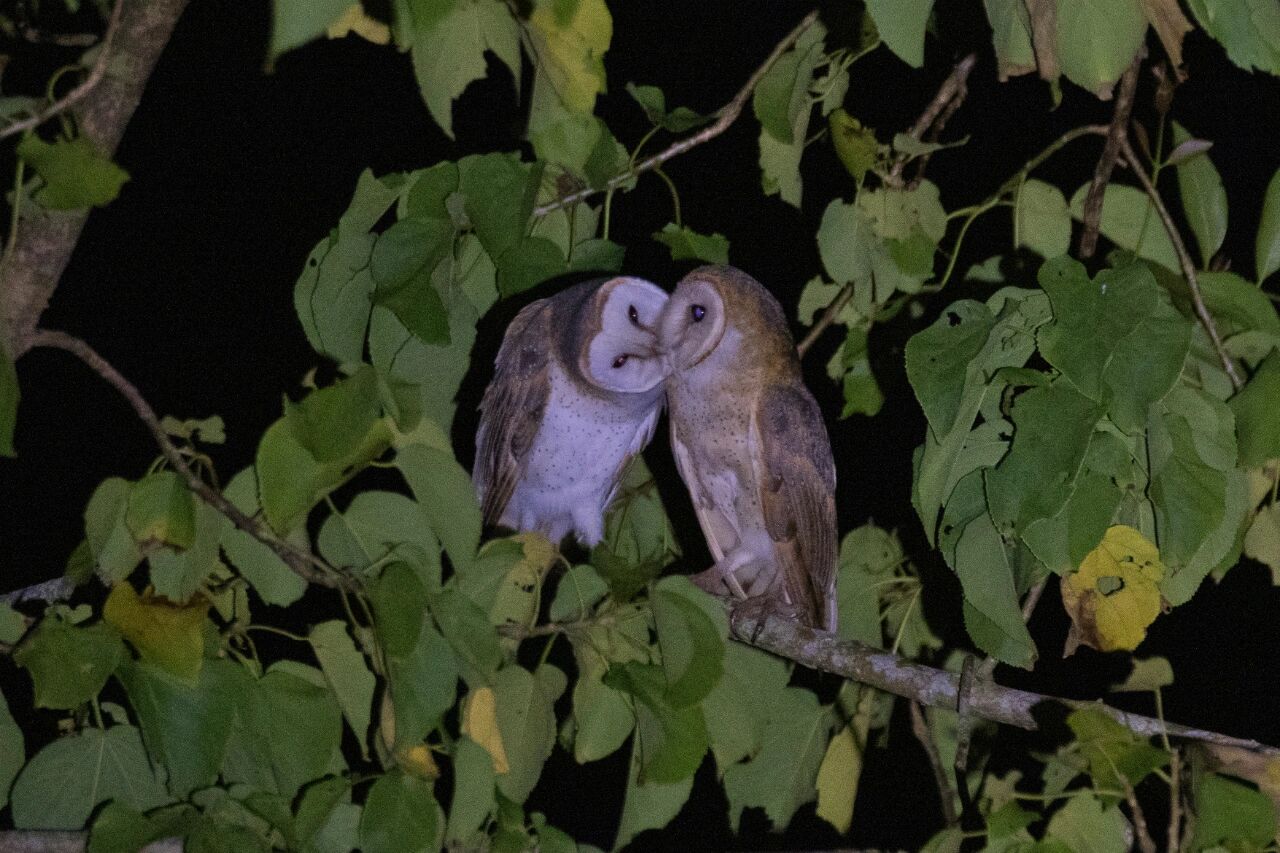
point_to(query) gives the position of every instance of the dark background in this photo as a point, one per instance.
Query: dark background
(185, 284)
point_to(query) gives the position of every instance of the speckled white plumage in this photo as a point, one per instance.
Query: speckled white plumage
(576, 394)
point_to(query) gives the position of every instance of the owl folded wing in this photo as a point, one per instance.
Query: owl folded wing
(512, 408)
(797, 494)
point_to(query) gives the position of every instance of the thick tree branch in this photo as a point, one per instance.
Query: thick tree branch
(30, 272)
(1116, 133)
(307, 566)
(53, 841)
(1184, 260)
(726, 116)
(86, 86)
(940, 689)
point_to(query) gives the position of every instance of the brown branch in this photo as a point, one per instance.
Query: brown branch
(1116, 134)
(952, 89)
(1145, 842)
(55, 841)
(1175, 801)
(1184, 260)
(938, 688)
(920, 728)
(29, 273)
(726, 116)
(828, 317)
(307, 566)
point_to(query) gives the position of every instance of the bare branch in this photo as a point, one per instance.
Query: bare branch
(54, 841)
(828, 317)
(920, 728)
(307, 566)
(940, 689)
(1184, 260)
(726, 116)
(1175, 801)
(952, 91)
(1116, 133)
(1145, 842)
(30, 272)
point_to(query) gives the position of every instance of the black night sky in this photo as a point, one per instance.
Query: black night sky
(185, 284)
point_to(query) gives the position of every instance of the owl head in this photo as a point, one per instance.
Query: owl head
(716, 298)
(617, 331)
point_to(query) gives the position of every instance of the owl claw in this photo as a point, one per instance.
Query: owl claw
(757, 610)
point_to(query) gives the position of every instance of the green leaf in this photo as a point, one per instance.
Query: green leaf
(75, 172)
(1113, 750)
(845, 242)
(498, 192)
(782, 776)
(1130, 221)
(1011, 37)
(654, 104)
(568, 42)
(424, 683)
(938, 360)
(1266, 253)
(9, 397)
(185, 726)
(473, 793)
(868, 556)
(331, 423)
(469, 632)
(348, 675)
(398, 600)
(114, 550)
(333, 294)
(1248, 29)
(1052, 427)
(291, 480)
(178, 576)
(648, 804)
(672, 740)
(686, 244)
(527, 721)
(693, 650)
(269, 575)
(855, 145)
(639, 541)
(301, 721)
(1042, 219)
(578, 592)
(1085, 823)
(528, 264)
(780, 164)
(377, 526)
(68, 663)
(317, 807)
(1227, 811)
(602, 715)
(401, 815)
(444, 491)
(783, 93)
(296, 22)
(13, 750)
(1257, 416)
(900, 214)
(118, 827)
(449, 41)
(162, 511)
(989, 577)
(1116, 338)
(1147, 674)
(738, 709)
(61, 785)
(1097, 40)
(901, 24)
(1203, 199)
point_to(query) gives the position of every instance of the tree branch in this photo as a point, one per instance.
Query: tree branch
(920, 728)
(30, 272)
(951, 91)
(940, 689)
(828, 317)
(1116, 133)
(307, 566)
(54, 841)
(1184, 260)
(726, 116)
(86, 86)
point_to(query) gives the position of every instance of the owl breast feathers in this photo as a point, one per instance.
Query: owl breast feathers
(750, 444)
(576, 394)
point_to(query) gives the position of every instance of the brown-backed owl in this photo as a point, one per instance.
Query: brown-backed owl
(750, 444)
(576, 394)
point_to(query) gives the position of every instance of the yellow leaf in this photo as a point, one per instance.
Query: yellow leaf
(1115, 594)
(855, 145)
(539, 553)
(418, 760)
(166, 634)
(838, 780)
(354, 20)
(569, 43)
(480, 723)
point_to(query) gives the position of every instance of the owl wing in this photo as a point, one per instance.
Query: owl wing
(644, 434)
(703, 505)
(512, 408)
(797, 481)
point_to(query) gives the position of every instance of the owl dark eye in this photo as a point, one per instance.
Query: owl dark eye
(697, 312)
(633, 315)
(619, 361)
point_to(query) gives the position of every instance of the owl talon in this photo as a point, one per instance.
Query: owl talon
(715, 579)
(757, 610)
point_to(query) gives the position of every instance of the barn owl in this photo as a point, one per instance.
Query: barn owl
(749, 441)
(576, 394)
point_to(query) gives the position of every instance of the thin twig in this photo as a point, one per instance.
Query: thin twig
(1184, 260)
(952, 89)
(1145, 842)
(726, 116)
(85, 87)
(1116, 134)
(920, 728)
(1175, 801)
(828, 317)
(307, 566)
